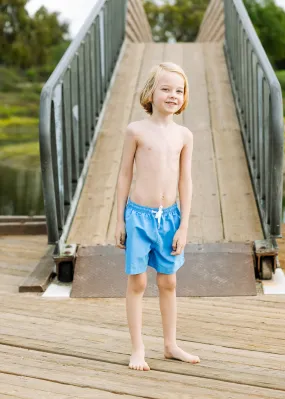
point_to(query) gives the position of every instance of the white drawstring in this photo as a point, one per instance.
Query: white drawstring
(158, 214)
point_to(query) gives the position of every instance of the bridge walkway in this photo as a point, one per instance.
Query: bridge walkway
(223, 204)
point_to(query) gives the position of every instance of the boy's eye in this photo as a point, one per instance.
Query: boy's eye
(179, 91)
(164, 89)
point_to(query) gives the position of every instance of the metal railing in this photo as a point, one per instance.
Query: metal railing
(71, 105)
(258, 100)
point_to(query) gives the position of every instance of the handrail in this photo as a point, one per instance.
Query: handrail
(258, 98)
(71, 107)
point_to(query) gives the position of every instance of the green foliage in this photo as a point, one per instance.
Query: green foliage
(9, 79)
(23, 155)
(31, 47)
(175, 21)
(30, 41)
(269, 22)
(19, 141)
(9, 111)
(281, 77)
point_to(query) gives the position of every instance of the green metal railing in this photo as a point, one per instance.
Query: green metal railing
(258, 100)
(71, 108)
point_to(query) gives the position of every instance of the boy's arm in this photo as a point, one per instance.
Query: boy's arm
(185, 179)
(126, 172)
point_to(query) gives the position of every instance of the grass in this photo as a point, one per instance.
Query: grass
(19, 113)
(24, 155)
(19, 142)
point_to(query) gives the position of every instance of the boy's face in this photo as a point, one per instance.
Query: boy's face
(169, 93)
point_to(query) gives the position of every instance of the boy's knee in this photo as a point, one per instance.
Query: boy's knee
(166, 282)
(137, 283)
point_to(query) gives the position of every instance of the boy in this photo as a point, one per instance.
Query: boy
(149, 224)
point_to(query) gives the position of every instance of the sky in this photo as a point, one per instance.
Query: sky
(75, 12)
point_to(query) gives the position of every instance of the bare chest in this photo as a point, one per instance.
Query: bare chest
(159, 148)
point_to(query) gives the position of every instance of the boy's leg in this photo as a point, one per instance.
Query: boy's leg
(135, 290)
(167, 300)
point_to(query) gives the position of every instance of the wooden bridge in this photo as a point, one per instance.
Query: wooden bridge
(79, 348)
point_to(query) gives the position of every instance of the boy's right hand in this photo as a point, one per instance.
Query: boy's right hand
(120, 235)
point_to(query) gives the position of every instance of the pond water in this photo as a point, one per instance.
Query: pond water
(21, 191)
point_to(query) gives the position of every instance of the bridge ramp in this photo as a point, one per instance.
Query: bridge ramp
(223, 203)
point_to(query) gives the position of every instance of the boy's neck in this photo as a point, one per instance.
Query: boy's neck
(162, 120)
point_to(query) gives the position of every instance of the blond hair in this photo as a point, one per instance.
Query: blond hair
(151, 84)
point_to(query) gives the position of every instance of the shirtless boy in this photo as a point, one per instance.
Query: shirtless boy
(150, 226)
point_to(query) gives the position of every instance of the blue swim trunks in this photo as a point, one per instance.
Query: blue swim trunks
(150, 233)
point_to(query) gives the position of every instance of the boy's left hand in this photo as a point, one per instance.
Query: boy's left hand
(179, 241)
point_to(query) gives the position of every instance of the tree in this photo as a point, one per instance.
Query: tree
(176, 20)
(26, 41)
(269, 22)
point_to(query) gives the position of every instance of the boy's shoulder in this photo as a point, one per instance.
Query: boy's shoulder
(186, 133)
(134, 128)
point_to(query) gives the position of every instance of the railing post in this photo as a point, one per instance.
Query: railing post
(47, 167)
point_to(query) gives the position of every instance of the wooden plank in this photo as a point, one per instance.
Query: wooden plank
(269, 307)
(281, 245)
(137, 20)
(243, 329)
(154, 53)
(237, 325)
(251, 337)
(239, 316)
(131, 25)
(212, 24)
(94, 209)
(19, 255)
(230, 363)
(214, 13)
(212, 4)
(174, 53)
(31, 388)
(231, 336)
(99, 375)
(205, 223)
(240, 214)
(25, 228)
(39, 278)
(31, 244)
(138, 6)
(130, 34)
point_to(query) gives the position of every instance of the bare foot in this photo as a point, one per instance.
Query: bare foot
(137, 361)
(175, 352)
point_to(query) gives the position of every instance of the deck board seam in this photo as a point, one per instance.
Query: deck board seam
(131, 108)
(75, 385)
(213, 140)
(153, 336)
(153, 369)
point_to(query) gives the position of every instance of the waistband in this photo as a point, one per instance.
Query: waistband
(147, 209)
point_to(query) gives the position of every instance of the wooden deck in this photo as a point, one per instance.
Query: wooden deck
(223, 206)
(19, 255)
(73, 348)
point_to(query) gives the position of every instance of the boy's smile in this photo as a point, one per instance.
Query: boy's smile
(168, 96)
